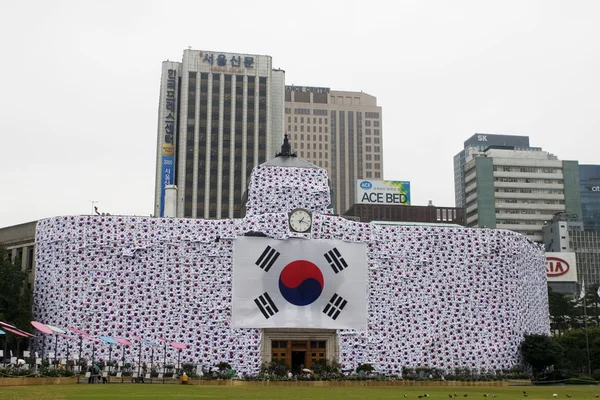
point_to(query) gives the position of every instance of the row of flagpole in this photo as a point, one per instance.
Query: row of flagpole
(47, 329)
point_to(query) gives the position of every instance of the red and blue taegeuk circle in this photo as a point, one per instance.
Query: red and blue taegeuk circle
(301, 282)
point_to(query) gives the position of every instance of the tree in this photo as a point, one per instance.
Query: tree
(541, 352)
(15, 299)
(593, 304)
(563, 312)
(573, 343)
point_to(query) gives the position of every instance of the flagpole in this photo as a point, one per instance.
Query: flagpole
(587, 340)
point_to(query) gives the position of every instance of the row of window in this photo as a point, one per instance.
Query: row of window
(370, 174)
(314, 120)
(504, 168)
(528, 180)
(535, 191)
(377, 165)
(524, 212)
(528, 201)
(314, 137)
(375, 123)
(372, 115)
(519, 222)
(314, 146)
(314, 128)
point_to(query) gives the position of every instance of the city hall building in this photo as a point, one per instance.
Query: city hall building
(290, 281)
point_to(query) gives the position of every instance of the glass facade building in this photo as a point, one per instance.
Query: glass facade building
(589, 189)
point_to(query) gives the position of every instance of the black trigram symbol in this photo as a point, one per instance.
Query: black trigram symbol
(335, 306)
(335, 260)
(266, 305)
(267, 258)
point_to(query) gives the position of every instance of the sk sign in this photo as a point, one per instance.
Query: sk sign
(556, 266)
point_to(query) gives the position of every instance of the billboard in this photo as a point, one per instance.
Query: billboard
(487, 139)
(561, 267)
(382, 192)
(167, 127)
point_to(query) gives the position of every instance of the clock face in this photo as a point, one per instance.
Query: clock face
(300, 220)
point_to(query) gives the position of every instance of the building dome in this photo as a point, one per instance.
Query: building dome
(285, 183)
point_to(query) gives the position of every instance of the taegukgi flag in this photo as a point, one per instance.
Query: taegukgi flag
(299, 283)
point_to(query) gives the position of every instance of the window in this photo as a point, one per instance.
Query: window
(368, 148)
(376, 124)
(367, 123)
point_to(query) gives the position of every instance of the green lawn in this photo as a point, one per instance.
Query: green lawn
(174, 391)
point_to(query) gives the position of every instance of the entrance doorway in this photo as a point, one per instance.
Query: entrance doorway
(298, 358)
(298, 354)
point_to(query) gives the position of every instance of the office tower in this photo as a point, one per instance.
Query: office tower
(474, 144)
(220, 115)
(589, 189)
(519, 189)
(339, 131)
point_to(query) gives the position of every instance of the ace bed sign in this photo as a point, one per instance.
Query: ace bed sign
(382, 192)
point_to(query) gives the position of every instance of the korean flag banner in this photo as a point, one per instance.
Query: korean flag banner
(299, 283)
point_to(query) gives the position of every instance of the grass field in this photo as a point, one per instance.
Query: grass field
(162, 392)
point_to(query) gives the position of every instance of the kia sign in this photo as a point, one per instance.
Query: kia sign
(382, 192)
(561, 267)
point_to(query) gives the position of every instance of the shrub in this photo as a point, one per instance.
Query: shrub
(224, 366)
(365, 368)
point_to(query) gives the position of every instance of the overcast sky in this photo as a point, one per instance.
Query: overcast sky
(80, 84)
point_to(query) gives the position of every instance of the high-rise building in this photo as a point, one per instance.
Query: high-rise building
(475, 144)
(220, 115)
(519, 189)
(589, 188)
(565, 235)
(339, 131)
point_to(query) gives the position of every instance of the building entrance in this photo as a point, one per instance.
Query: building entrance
(298, 358)
(298, 354)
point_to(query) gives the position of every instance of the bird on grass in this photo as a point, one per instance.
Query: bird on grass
(568, 395)
(485, 395)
